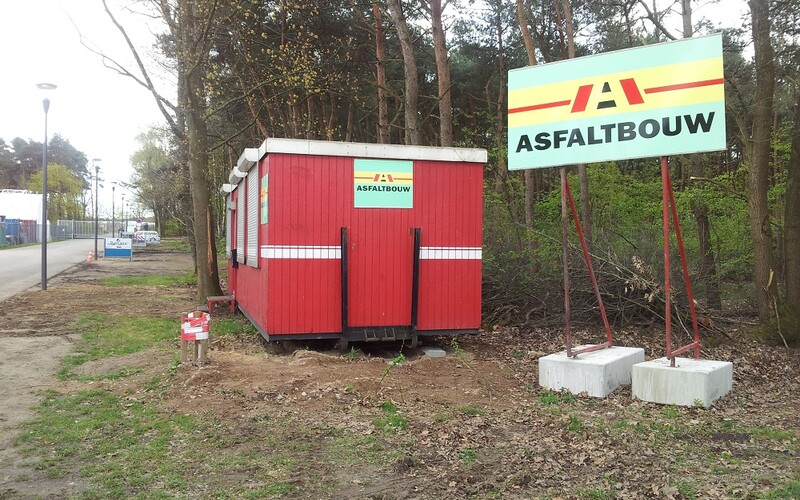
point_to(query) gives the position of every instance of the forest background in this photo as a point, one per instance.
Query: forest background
(433, 73)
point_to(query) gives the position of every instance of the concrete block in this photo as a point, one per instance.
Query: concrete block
(597, 373)
(434, 352)
(689, 382)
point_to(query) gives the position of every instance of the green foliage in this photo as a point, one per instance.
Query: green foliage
(471, 410)
(231, 326)
(468, 456)
(391, 421)
(395, 362)
(595, 493)
(186, 279)
(575, 424)
(134, 441)
(549, 398)
(115, 335)
(65, 192)
(353, 354)
(786, 491)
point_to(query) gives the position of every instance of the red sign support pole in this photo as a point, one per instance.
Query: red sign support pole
(566, 194)
(668, 202)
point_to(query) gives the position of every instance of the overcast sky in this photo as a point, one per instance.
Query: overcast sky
(97, 110)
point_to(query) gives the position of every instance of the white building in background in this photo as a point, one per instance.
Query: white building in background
(21, 204)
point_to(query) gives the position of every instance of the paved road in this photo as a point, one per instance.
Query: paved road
(21, 268)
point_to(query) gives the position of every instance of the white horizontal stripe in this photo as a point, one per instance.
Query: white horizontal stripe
(450, 253)
(300, 252)
(335, 252)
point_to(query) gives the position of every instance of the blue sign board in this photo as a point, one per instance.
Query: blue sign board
(119, 247)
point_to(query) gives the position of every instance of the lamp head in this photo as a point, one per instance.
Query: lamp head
(46, 101)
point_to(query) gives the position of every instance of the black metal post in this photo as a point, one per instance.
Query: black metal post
(113, 214)
(345, 327)
(96, 206)
(123, 216)
(46, 105)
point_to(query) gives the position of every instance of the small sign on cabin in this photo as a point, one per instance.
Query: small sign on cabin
(381, 183)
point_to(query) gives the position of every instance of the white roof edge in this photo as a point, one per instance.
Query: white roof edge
(367, 150)
(249, 157)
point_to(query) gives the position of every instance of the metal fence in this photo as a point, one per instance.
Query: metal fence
(23, 232)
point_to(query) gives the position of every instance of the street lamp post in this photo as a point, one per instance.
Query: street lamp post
(123, 215)
(96, 204)
(113, 215)
(46, 106)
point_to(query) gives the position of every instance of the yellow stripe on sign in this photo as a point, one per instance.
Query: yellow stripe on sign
(655, 87)
(393, 178)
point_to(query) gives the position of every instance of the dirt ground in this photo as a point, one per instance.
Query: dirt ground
(526, 450)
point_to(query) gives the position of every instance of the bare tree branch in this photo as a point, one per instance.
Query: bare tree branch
(145, 81)
(652, 16)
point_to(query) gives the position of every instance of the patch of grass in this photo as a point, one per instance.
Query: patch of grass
(594, 493)
(277, 488)
(548, 398)
(671, 411)
(787, 491)
(186, 279)
(391, 421)
(113, 335)
(236, 325)
(442, 417)
(121, 444)
(771, 434)
(353, 449)
(353, 354)
(568, 397)
(471, 410)
(687, 490)
(575, 424)
(468, 456)
(181, 245)
(459, 352)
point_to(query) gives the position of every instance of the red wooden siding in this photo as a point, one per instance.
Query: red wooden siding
(297, 287)
(448, 201)
(306, 210)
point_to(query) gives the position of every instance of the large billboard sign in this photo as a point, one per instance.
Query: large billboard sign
(658, 100)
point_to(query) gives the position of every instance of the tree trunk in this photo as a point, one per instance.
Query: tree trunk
(707, 272)
(791, 233)
(583, 175)
(530, 175)
(758, 176)
(197, 133)
(380, 77)
(443, 72)
(413, 136)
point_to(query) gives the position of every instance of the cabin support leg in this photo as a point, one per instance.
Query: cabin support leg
(415, 288)
(344, 340)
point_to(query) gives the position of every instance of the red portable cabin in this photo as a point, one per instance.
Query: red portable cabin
(356, 241)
